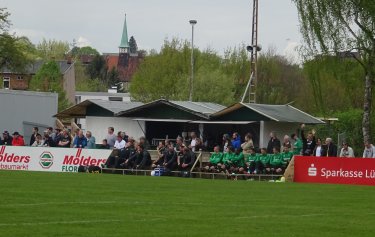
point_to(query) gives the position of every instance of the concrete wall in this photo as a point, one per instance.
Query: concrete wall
(281, 129)
(20, 110)
(98, 126)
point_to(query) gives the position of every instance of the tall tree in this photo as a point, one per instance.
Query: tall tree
(335, 26)
(133, 45)
(16, 52)
(52, 49)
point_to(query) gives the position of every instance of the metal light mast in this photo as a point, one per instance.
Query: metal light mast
(253, 49)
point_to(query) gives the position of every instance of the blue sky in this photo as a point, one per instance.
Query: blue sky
(221, 23)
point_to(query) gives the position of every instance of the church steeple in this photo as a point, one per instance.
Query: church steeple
(124, 45)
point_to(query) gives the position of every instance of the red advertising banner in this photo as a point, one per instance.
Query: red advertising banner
(334, 170)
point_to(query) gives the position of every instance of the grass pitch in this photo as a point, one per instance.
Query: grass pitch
(76, 204)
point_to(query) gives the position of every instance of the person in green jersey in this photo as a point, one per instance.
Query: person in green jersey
(262, 162)
(238, 161)
(215, 160)
(297, 145)
(250, 161)
(276, 162)
(287, 156)
(227, 160)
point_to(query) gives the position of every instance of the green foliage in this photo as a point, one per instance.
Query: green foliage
(4, 20)
(84, 82)
(133, 45)
(49, 79)
(97, 68)
(52, 49)
(87, 50)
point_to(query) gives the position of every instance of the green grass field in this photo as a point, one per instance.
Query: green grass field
(78, 204)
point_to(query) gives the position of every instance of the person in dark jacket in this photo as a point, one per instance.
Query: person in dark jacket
(308, 142)
(170, 158)
(187, 160)
(33, 136)
(329, 149)
(143, 158)
(7, 139)
(273, 142)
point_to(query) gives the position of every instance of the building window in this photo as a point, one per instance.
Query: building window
(19, 77)
(6, 82)
(115, 98)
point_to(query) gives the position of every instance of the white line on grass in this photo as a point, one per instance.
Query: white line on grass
(303, 215)
(57, 223)
(55, 203)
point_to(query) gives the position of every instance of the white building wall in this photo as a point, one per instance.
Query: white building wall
(98, 126)
(280, 128)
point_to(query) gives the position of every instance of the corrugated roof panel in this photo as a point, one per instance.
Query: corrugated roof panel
(200, 107)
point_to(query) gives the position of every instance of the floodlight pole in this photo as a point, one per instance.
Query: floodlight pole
(192, 23)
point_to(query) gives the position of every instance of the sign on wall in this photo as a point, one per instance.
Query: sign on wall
(334, 170)
(50, 158)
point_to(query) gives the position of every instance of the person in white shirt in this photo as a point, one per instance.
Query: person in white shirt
(369, 151)
(318, 148)
(193, 141)
(38, 141)
(346, 150)
(119, 143)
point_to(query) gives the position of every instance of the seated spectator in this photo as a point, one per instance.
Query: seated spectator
(7, 139)
(236, 140)
(186, 162)
(198, 144)
(139, 160)
(215, 161)
(346, 150)
(179, 144)
(369, 151)
(33, 135)
(329, 149)
(248, 144)
(170, 158)
(39, 142)
(91, 143)
(287, 156)
(251, 160)
(238, 161)
(17, 139)
(104, 144)
(119, 143)
(160, 150)
(143, 141)
(263, 161)
(50, 132)
(276, 164)
(48, 141)
(227, 160)
(80, 140)
(120, 156)
(65, 139)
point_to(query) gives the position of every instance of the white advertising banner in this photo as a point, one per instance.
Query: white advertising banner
(50, 158)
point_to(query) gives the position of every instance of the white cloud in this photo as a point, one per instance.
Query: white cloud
(82, 42)
(34, 35)
(291, 52)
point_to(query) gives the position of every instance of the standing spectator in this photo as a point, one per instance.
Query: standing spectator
(236, 141)
(318, 148)
(226, 142)
(369, 151)
(297, 145)
(91, 143)
(17, 140)
(39, 142)
(308, 143)
(48, 141)
(179, 144)
(346, 150)
(273, 142)
(329, 149)
(7, 139)
(57, 137)
(193, 142)
(286, 143)
(104, 145)
(111, 137)
(33, 136)
(170, 158)
(247, 144)
(65, 139)
(119, 143)
(50, 132)
(160, 150)
(80, 140)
